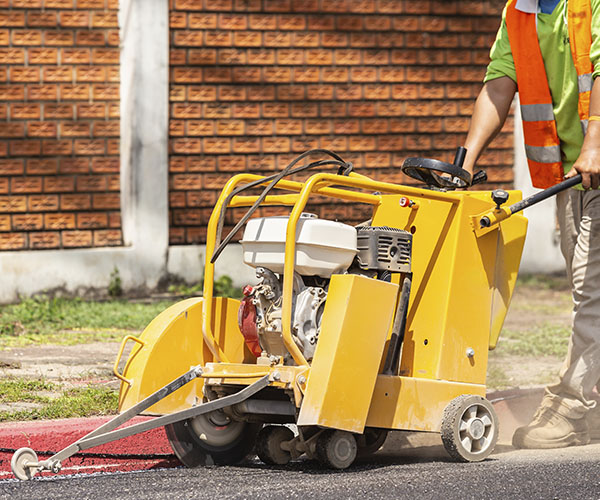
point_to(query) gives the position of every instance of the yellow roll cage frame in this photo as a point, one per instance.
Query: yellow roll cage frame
(318, 184)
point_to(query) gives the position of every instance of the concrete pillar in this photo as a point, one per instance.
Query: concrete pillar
(145, 130)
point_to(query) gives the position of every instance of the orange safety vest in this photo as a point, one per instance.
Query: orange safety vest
(542, 144)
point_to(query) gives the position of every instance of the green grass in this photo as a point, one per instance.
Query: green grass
(502, 376)
(62, 338)
(542, 340)
(545, 282)
(78, 402)
(44, 320)
(223, 287)
(563, 305)
(72, 321)
(15, 390)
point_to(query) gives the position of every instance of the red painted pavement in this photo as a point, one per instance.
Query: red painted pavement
(144, 451)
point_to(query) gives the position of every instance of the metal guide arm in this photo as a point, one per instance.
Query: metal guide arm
(146, 403)
(106, 433)
(208, 407)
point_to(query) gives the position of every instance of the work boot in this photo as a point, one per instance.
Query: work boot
(550, 429)
(593, 422)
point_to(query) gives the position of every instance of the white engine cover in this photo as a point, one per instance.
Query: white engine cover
(323, 247)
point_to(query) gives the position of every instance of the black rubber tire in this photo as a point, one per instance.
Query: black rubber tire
(336, 449)
(268, 444)
(476, 416)
(193, 451)
(370, 441)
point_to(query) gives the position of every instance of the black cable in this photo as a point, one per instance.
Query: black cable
(252, 184)
(344, 167)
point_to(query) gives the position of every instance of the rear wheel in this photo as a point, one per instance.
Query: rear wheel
(469, 428)
(211, 439)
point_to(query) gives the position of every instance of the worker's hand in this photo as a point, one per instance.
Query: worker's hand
(588, 165)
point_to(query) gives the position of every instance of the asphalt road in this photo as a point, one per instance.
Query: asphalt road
(571, 473)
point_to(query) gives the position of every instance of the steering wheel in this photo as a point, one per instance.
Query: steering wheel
(426, 170)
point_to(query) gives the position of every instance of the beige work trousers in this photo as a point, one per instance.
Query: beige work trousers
(579, 222)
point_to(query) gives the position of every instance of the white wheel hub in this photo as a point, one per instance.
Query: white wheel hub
(469, 428)
(343, 449)
(475, 429)
(24, 464)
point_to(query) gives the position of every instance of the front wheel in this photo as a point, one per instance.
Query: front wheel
(211, 439)
(21, 464)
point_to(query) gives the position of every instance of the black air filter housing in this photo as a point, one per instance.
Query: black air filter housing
(384, 249)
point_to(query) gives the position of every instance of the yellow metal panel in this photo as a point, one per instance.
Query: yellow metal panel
(469, 267)
(406, 403)
(356, 319)
(173, 343)
(480, 278)
(432, 225)
(508, 257)
(462, 283)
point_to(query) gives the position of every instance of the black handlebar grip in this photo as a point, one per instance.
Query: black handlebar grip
(461, 154)
(479, 177)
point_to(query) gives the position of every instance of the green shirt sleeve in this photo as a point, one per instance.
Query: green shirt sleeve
(595, 50)
(502, 62)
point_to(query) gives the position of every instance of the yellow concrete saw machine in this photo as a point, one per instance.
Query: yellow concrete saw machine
(349, 331)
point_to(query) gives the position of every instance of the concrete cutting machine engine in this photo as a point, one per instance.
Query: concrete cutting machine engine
(324, 248)
(348, 333)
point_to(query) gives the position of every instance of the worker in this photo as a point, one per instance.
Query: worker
(548, 51)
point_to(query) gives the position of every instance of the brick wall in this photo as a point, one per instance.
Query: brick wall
(59, 124)
(256, 82)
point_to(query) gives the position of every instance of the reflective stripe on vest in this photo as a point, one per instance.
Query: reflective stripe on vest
(544, 154)
(580, 38)
(542, 144)
(537, 112)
